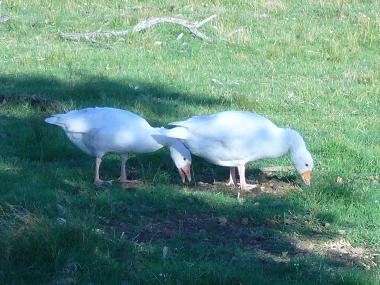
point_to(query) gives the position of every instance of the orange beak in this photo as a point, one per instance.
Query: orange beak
(185, 172)
(306, 176)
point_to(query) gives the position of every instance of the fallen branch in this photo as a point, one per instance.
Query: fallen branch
(192, 26)
(91, 36)
(137, 7)
(201, 23)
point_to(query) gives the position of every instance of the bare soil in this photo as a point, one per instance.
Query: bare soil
(267, 184)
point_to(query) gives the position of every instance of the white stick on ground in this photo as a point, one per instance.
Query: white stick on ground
(191, 26)
(4, 18)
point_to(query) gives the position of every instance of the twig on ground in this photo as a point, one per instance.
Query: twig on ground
(137, 7)
(201, 23)
(192, 26)
(4, 18)
(239, 30)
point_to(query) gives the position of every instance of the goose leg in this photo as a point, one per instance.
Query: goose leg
(232, 180)
(243, 184)
(97, 180)
(123, 173)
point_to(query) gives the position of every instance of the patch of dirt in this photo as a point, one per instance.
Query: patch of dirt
(337, 249)
(267, 183)
(206, 227)
(35, 101)
(257, 238)
(268, 256)
(132, 184)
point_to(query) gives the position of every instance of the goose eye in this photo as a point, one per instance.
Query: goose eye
(184, 158)
(306, 164)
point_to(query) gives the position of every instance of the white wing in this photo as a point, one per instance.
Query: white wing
(82, 121)
(226, 136)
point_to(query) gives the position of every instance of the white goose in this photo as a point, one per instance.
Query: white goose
(98, 131)
(233, 138)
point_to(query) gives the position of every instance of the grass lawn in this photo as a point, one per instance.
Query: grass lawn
(311, 65)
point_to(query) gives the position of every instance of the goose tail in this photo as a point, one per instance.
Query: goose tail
(177, 133)
(55, 120)
(52, 120)
(178, 123)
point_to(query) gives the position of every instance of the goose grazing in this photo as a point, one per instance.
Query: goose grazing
(98, 131)
(233, 138)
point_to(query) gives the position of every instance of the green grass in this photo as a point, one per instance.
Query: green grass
(310, 65)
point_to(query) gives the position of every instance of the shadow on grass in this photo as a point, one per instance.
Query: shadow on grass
(154, 99)
(172, 235)
(160, 234)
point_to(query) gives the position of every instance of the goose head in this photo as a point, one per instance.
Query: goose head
(181, 157)
(303, 163)
(300, 156)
